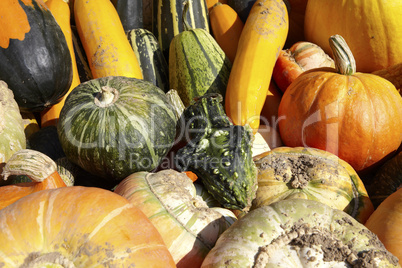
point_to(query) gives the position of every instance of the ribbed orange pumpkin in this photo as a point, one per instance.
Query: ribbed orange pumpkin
(357, 116)
(386, 223)
(79, 227)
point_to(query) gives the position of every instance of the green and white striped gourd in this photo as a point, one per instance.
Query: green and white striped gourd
(150, 57)
(188, 226)
(167, 19)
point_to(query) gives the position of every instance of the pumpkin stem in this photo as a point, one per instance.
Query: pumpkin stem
(106, 97)
(186, 26)
(344, 61)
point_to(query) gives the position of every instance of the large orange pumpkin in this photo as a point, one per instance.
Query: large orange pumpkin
(357, 116)
(79, 227)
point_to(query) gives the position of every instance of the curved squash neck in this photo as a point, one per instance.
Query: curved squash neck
(344, 61)
(186, 26)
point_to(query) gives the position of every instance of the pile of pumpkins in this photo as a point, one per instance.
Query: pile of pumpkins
(200, 133)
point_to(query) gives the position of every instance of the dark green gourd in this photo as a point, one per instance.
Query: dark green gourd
(219, 153)
(130, 13)
(153, 64)
(37, 68)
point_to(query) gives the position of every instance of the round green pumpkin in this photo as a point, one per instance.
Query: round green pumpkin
(115, 126)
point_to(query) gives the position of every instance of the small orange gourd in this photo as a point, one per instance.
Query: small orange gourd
(226, 27)
(101, 32)
(61, 13)
(263, 36)
(300, 57)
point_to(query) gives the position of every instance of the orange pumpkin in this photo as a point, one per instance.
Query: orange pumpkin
(386, 223)
(79, 227)
(356, 116)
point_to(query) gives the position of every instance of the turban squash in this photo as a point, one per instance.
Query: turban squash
(309, 173)
(298, 233)
(356, 116)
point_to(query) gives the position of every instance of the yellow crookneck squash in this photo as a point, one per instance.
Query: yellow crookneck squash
(104, 40)
(61, 13)
(372, 29)
(263, 36)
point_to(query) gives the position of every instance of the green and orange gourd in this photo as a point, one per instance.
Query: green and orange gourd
(35, 60)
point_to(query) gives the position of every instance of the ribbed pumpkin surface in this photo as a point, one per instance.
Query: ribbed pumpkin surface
(78, 227)
(298, 233)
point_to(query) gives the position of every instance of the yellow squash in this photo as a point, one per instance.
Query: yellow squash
(104, 40)
(263, 36)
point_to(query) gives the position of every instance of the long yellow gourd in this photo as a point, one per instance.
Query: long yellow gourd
(61, 12)
(104, 40)
(263, 36)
